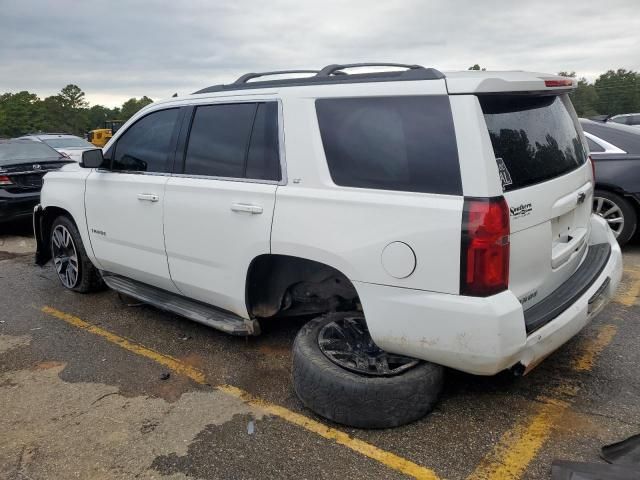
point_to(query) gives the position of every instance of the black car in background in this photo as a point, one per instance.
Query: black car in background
(23, 163)
(615, 150)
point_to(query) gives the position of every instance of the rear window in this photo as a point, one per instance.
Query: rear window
(27, 150)
(392, 143)
(534, 138)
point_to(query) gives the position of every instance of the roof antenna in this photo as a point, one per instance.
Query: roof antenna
(174, 95)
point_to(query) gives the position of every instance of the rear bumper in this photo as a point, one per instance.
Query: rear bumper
(483, 336)
(16, 206)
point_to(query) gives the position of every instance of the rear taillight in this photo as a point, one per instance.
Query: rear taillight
(4, 180)
(484, 255)
(593, 169)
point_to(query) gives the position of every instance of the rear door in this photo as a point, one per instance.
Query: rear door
(547, 182)
(219, 205)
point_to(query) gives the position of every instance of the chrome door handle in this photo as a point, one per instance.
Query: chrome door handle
(244, 207)
(148, 197)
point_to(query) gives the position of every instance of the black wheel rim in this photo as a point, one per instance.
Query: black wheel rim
(65, 256)
(348, 344)
(611, 212)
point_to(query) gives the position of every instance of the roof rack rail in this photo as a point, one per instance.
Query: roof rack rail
(248, 76)
(337, 69)
(331, 74)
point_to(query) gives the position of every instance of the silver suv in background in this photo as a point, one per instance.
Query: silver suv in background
(70, 145)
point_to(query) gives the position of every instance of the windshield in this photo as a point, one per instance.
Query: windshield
(534, 138)
(14, 152)
(67, 142)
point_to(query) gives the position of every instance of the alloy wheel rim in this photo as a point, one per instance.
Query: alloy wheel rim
(347, 343)
(65, 256)
(611, 212)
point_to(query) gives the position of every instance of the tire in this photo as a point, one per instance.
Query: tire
(86, 278)
(355, 399)
(605, 201)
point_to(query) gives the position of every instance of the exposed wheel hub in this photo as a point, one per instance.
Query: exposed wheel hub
(348, 344)
(65, 257)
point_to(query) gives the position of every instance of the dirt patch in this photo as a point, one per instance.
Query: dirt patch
(89, 430)
(8, 342)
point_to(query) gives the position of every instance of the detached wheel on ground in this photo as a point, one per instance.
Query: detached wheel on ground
(339, 373)
(75, 270)
(618, 212)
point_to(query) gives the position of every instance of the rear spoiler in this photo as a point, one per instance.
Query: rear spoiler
(474, 82)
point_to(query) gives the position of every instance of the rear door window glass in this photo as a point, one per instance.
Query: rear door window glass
(535, 136)
(263, 160)
(402, 143)
(219, 140)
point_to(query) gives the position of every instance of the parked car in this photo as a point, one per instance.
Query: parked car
(23, 163)
(632, 119)
(70, 145)
(427, 220)
(615, 150)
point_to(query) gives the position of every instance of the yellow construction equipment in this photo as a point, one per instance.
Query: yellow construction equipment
(100, 136)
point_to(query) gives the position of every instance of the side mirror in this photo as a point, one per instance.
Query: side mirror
(92, 158)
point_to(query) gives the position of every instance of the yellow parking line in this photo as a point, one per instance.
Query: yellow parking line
(366, 449)
(519, 445)
(628, 296)
(585, 361)
(388, 459)
(169, 362)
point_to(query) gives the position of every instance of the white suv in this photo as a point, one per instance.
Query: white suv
(428, 220)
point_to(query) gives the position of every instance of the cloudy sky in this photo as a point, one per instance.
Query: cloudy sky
(116, 49)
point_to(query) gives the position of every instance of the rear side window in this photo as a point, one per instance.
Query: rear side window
(234, 141)
(392, 143)
(534, 137)
(145, 146)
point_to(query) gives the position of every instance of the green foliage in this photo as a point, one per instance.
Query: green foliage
(613, 92)
(20, 113)
(618, 91)
(131, 106)
(67, 112)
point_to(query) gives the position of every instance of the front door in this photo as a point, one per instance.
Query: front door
(124, 204)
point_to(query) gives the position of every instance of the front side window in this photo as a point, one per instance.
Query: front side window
(234, 141)
(402, 143)
(145, 146)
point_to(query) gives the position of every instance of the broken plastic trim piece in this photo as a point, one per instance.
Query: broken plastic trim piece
(626, 452)
(565, 470)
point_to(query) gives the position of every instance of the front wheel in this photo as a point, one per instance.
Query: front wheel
(339, 373)
(73, 267)
(618, 212)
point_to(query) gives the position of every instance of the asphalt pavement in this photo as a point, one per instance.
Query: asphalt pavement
(94, 386)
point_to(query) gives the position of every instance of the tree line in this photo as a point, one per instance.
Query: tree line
(66, 112)
(613, 92)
